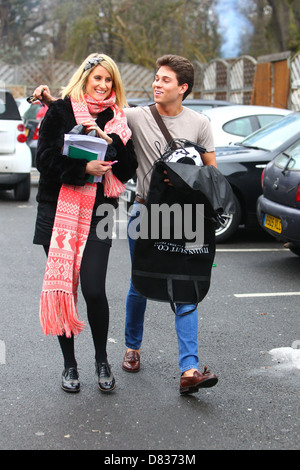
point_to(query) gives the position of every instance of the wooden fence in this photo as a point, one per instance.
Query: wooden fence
(270, 80)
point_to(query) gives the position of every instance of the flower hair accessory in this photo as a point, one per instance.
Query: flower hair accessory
(92, 62)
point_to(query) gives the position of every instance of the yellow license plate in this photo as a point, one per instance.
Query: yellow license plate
(26, 132)
(273, 223)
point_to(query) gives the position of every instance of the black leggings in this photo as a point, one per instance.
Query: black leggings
(92, 279)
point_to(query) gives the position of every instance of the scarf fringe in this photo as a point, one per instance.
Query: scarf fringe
(112, 185)
(58, 314)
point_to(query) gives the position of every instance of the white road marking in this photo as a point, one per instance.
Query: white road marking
(267, 294)
(250, 250)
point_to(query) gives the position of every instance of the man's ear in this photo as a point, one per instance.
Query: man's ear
(183, 88)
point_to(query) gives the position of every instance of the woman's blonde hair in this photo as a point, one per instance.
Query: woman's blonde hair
(76, 85)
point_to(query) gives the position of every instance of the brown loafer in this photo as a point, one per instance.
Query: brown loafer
(131, 361)
(197, 380)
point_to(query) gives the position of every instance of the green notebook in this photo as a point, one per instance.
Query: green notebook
(75, 152)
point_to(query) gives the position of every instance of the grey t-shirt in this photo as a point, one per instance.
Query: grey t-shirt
(147, 136)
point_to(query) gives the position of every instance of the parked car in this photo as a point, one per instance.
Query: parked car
(23, 106)
(278, 208)
(32, 134)
(231, 125)
(128, 196)
(203, 105)
(242, 164)
(32, 119)
(196, 104)
(15, 155)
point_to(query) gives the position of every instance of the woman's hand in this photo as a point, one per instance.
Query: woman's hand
(42, 93)
(91, 125)
(98, 167)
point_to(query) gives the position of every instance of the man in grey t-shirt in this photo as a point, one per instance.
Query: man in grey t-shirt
(173, 82)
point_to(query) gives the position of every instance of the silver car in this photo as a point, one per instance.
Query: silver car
(278, 208)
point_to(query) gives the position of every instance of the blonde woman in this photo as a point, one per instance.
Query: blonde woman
(66, 217)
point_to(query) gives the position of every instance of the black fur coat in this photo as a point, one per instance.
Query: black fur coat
(56, 169)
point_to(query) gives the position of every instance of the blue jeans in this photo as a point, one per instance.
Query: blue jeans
(186, 326)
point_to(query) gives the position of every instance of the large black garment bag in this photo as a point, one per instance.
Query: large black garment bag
(168, 265)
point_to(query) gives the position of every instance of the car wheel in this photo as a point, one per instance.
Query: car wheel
(22, 189)
(230, 224)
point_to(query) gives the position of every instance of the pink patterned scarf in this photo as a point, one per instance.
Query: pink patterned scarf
(58, 310)
(58, 303)
(118, 125)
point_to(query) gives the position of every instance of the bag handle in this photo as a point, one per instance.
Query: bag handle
(162, 125)
(172, 303)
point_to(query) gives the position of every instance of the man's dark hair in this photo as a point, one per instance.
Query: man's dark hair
(182, 67)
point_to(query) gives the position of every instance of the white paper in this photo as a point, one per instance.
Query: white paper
(86, 142)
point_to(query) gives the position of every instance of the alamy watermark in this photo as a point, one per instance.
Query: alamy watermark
(160, 221)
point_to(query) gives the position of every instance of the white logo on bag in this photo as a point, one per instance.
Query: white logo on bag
(173, 248)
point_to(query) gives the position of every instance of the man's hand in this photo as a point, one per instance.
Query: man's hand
(166, 180)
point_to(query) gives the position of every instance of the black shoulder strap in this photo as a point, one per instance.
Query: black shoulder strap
(161, 125)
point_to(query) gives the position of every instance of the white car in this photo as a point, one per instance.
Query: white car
(231, 124)
(15, 155)
(23, 105)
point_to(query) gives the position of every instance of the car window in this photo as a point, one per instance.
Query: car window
(265, 119)
(292, 154)
(241, 126)
(8, 107)
(274, 134)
